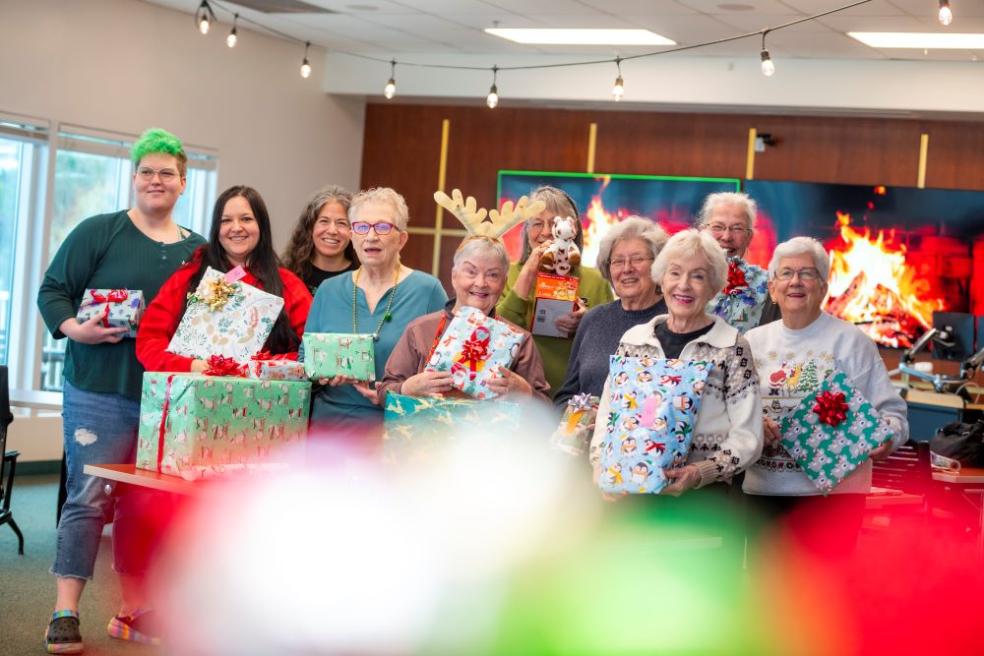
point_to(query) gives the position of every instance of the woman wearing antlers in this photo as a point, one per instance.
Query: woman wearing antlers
(478, 278)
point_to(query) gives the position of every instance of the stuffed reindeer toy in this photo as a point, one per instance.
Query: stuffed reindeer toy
(563, 254)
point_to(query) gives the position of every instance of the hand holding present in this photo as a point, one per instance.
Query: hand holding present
(507, 381)
(92, 331)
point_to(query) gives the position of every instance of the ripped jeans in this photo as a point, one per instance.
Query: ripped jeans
(98, 429)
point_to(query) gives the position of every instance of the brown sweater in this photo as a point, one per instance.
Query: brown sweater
(411, 352)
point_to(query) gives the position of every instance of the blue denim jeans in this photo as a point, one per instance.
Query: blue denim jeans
(98, 429)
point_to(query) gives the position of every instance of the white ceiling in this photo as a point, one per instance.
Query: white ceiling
(399, 28)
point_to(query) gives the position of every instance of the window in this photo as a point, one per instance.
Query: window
(93, 175)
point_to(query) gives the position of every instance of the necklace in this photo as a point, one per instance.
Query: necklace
(387, 316)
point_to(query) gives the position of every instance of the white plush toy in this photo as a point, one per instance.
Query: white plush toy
(563, 254)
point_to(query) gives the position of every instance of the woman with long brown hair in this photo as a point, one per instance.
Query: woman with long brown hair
(321, 245)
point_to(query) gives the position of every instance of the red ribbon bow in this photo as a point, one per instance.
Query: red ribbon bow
(475, 350)
(222, 366)
(114, 296)
(266, 355)
(736, 277)
(831, 408)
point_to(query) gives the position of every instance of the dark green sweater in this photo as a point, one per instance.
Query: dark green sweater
(106, 252)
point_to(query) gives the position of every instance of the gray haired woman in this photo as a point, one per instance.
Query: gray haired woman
(478, 277)
(744, 302)
(625, 257)
(727, 433)
(321, 245)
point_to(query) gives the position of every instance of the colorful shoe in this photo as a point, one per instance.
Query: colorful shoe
(63, 636)
(138, 627)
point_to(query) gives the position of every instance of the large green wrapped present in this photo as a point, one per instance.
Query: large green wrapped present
(226, 317)
(340, 354)
(832, 431)
(193, 425)
(415, 426)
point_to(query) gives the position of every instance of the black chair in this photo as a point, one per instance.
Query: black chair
(8, 464)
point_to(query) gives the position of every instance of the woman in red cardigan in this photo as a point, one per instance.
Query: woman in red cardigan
(240, 236)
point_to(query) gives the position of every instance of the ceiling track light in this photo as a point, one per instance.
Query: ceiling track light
(618, 89)
(204, 16)
(390, 89)
(233, 37)
(768, 66)
(946, 14)
(306, 65)
(492, 100)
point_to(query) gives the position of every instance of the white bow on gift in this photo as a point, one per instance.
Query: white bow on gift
(480, 222)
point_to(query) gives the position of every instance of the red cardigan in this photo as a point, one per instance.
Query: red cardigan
(161, 318)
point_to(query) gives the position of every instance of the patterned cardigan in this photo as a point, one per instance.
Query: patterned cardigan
(728, 431)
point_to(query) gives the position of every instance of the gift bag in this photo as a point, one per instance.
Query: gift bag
(472, 348)
(573, 435)
(340, 354)
(832, 431)
(653, 408)
(416, 427)
(119, 308)
(227, 317)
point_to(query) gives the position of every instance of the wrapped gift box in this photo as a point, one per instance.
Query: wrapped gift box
(192, 424)
(741, 302)
(652, 411)
(832, 431)
(340, 354)
(119, 308)
(227, 317)
(273, 368)
(577, 425)
(555, 296)
(417, 426)
(472, 348)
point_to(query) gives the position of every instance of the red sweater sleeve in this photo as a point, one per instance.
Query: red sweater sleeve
(160, 321)
(297, 300)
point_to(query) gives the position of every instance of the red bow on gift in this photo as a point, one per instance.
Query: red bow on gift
(736, 277)
(831, 408)
(114, 296)
(222, 366)
(475, 350)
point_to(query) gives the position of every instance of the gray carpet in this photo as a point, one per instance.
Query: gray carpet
(27, 590)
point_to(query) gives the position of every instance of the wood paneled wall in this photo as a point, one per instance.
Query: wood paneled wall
(402, 148)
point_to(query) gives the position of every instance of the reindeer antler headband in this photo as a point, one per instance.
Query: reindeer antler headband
(481, 223)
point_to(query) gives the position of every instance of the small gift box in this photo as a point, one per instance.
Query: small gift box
(225, 316)
(472, 348)
(832, 431)
(340, 354)
(265, 366)
(555, 296)
(741, 302)
(192, 425)
(417, 426)
(653, 407)
(119, 308)
(577, 425)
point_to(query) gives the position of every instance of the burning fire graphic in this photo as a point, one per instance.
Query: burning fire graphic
(872, 285)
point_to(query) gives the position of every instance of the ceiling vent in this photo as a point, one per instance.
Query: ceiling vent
(283, 7)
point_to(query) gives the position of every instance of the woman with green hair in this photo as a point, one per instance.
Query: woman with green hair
(135, 249)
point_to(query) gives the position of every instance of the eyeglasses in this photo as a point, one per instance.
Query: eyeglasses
(809, 274)
(381, 228)
(635, 261)
(166, 175)
(718, 228)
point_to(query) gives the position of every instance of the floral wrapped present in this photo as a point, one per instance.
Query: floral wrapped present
(340, 354)
(192, 425)
(417, 426)
(832, 431)
(119, 308)
(652, 412)
(265, 366)
(472, 348)
(225, 316)
(740, 303)
(577, 425)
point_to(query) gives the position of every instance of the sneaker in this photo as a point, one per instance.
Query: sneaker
(138, 627)
(63, 636)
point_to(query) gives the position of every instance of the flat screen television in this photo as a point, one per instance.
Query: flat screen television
(606, 199)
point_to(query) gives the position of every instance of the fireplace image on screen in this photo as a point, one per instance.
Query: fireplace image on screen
(898, 254)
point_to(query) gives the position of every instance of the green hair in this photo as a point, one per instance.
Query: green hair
(156, 140)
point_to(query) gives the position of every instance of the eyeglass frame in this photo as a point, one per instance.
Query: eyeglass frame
(719, 228)
(372, 226)
(620, 263)
(147, 174)
(814, 274)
